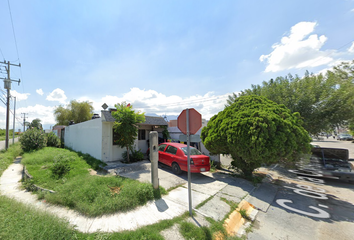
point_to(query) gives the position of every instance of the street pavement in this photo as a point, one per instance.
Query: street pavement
(308, 206)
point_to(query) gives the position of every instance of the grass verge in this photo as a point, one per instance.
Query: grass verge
(78, 190)
(7, 157)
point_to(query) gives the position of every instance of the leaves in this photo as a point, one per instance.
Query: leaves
(255, 130)
(322, 101)
(76, 111)
(126, 124)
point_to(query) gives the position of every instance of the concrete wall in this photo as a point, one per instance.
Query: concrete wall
(85, 137)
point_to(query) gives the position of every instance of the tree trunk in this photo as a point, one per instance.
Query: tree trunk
(128, 154)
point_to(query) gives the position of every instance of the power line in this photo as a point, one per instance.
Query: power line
(13, 29)
(2, 54)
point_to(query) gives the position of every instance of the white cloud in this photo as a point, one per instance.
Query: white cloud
(298, 50)
(40, 91)
(351, 49)
(44, 113)
(19, 96)
(152, 102)
(57, 95)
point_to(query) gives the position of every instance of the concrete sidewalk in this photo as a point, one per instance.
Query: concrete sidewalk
(172, 205)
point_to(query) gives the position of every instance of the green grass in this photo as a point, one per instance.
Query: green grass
(78, 190)
(19, 221)
(191, 231)
(7, 157)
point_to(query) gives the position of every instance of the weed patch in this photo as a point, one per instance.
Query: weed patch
(66, 172)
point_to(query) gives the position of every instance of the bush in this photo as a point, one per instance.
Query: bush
(52, 140)
(32, 139)
(256, 131)
(134, 156)
(61, 166)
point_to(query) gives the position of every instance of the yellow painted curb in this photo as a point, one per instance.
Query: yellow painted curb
(233, 223)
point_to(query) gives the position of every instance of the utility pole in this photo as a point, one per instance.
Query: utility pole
(24, 121)
(13, 126)
(7, 86)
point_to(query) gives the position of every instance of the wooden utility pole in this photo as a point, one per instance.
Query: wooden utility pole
(7, 86)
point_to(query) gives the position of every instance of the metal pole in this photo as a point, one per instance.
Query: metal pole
(7, 119)
(7, 107)
(13, 127)
(189, 165)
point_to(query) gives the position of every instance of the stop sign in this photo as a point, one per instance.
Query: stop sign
(195, 121)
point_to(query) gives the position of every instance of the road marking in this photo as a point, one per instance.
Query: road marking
(320, 213)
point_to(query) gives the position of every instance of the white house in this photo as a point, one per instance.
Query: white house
(95, 136)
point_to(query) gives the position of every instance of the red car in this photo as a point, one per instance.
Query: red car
(175, 156)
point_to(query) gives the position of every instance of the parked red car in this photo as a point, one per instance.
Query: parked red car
(175, 156)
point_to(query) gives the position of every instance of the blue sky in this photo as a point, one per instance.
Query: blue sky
(163, 56)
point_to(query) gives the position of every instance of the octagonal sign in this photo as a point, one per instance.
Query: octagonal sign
(195, 121)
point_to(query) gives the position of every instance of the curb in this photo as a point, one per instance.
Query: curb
(235, 224)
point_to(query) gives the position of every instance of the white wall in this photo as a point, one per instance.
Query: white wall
(85, 137)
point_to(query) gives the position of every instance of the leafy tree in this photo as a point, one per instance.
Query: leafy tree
(126, 125)
(322, 101)
(255, 130)
(36, 123)
(76, 111)
(32, 139)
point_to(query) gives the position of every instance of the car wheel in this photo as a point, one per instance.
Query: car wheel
(176, 169)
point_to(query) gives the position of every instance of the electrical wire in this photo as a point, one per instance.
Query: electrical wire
(13, 29)
(2, 54)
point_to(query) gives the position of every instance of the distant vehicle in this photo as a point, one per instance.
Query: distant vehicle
(345, 136)
(175, 156)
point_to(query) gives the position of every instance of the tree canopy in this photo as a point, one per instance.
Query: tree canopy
(255, 130)
(126, 125)
(323, 101)
(36, 123)
(75, 111)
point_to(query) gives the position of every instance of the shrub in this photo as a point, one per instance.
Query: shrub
(61, 166)
(134, 156)
(52, 140)
(32, 139)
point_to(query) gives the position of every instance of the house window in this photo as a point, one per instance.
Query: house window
(116, 136)
(141, 134)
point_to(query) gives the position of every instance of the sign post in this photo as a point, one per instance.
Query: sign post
(189, 122)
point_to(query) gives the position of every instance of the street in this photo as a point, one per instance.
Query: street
(2, 143)
(309, 206)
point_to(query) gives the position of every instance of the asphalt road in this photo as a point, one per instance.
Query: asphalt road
(2, 143)
(309, 207)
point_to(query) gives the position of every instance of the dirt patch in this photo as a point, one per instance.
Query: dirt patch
(100, 173)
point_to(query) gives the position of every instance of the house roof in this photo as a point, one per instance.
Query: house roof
(154, 121)
(107, 116)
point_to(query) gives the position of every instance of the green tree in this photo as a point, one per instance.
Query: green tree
(322, 101)
(255, 130)
(76, 111)
(36, 123)
(126, 125)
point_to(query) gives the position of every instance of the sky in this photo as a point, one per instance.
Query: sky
(162, 56)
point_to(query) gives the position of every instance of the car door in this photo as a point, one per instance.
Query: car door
(162, 154)
(170, 155)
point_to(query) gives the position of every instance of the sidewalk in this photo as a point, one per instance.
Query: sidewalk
(172, 205)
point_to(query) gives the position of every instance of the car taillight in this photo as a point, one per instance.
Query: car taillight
(192, 161)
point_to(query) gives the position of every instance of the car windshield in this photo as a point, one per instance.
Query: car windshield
(193, 151)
